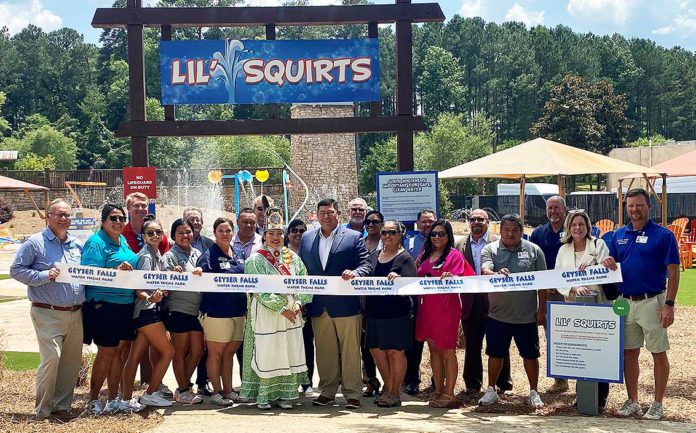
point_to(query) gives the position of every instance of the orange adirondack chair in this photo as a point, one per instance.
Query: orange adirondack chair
(604, 226)
(677, 231)
(681, 222)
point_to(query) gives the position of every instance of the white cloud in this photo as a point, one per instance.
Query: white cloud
(16, 16)
(519, 13)
(471, 8)
(684, 24)
(617, 11)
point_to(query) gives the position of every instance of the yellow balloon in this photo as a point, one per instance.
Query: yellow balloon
(262, 175)
(214, 176)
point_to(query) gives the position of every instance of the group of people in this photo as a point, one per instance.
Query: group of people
(276, 333)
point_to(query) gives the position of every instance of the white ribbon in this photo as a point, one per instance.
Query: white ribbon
(322, 285)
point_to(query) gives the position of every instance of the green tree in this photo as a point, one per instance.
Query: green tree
(585, 115)
(48, 141)
(32, 161)
(441, 83)
(4, 124)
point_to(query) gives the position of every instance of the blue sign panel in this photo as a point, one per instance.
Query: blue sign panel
(264, 72)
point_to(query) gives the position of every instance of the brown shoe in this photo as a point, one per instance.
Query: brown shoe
(353, 403)
(323, 401)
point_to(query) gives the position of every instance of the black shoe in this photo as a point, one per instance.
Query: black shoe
(204, 390)
(411, 389)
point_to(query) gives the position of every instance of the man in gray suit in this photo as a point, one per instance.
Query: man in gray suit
(475, 308)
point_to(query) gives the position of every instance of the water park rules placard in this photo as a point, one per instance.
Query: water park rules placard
(268, 71)
(322, 285)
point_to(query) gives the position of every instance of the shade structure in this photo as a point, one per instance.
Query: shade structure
(541, 157)
(683, 165)
(8, 183)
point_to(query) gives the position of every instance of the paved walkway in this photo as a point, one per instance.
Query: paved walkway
(413, 416)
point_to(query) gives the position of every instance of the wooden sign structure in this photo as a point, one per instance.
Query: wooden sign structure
(134, 18)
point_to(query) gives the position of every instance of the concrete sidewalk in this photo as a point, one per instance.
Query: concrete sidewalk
(413, 416)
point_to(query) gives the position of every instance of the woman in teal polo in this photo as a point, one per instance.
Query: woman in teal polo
(108, 312)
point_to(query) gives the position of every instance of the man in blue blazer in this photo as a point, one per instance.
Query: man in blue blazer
(336, 320)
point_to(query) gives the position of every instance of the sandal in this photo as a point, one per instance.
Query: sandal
(372, 388)
(450, 402)
(390, 400)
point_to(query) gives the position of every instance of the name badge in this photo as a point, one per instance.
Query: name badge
(523, 255)
(642, 240)
(75, 252)
(623, 241)
(224, 265)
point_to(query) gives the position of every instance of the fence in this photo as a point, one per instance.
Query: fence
(597, 206)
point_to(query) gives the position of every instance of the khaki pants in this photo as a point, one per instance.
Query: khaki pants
(59, 334)
(337, 340)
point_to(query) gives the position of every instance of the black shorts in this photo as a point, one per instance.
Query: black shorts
(107, 323)
(176, 321)
(499, 335)
(147, 317)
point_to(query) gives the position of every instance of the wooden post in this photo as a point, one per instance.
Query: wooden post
(561, 185)
(166, 35)
(522, 185)
(136, 78)
(271, 35)
(663, 205)
(619, 194)
(404, 90)
(373, 32)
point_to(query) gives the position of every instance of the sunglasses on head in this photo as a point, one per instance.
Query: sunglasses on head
(296, 230)
(372, 222)
(154, 233)
(389, 232)
(438, 234)
(117, 218)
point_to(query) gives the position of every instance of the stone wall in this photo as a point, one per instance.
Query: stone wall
(326, 162)
(20, 202)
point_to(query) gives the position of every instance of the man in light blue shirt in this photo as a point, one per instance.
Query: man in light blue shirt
(55, 310)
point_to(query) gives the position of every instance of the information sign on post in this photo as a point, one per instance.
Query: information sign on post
(584, 341)
(141, 179)
(401, 195)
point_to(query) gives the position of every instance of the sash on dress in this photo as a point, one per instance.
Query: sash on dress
(278, 344)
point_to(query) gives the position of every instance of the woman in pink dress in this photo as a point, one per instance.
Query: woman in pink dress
(437, 321)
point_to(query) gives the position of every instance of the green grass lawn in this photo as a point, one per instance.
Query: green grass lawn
(4, 277)
(20, 361)
(687, 288)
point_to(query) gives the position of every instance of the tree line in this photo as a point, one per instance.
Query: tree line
(61, 98)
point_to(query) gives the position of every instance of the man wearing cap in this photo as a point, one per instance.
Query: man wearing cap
(647, 252)
(55, 309)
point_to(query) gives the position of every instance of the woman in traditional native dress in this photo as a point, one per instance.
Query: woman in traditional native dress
(274, 357)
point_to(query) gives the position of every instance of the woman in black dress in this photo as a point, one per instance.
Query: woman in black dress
(390, 318)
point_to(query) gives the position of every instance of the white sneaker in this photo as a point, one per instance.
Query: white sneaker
(534, 400)
(113, 406)
(219, 400)
(264, 406)
(655, 412)
(309, 390)
(94, 407)
(284, 404)
(489, 397)
(131, 406)
(630, 408)
(165, 391)
(231, 396)
(187, 397)
(155, 400)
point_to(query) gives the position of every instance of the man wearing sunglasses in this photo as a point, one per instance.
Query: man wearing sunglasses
(55, 310)
(261, 203)
(137, 208)
(475, 308)
(548, 238)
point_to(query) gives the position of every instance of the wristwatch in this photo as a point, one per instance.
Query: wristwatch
(669, 302)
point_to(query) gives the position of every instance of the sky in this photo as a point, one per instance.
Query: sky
(668, 22)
